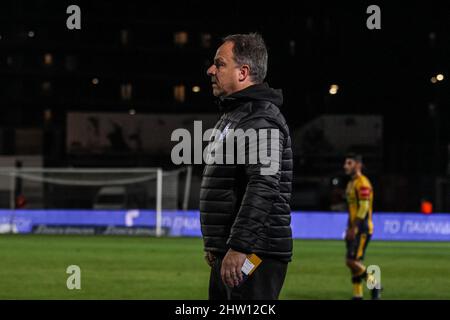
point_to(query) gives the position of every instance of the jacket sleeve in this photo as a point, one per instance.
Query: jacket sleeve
(263, 188)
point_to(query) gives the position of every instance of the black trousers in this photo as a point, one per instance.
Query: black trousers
(264, 283)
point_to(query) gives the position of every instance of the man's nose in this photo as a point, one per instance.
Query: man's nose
(211, 70)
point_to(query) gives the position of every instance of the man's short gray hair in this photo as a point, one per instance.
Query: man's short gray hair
(251, 50)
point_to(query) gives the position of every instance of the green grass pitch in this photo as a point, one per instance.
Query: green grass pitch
(34, 267)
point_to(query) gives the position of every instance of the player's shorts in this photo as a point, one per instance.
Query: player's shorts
(357, 248)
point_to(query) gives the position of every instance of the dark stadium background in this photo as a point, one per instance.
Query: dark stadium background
(312, 45)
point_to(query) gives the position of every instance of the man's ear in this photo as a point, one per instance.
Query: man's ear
(244, 72)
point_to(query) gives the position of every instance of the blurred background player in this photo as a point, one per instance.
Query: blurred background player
(359, 194)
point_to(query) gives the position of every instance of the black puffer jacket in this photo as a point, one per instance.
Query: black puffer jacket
(239, 207)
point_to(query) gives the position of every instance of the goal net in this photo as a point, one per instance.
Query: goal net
(97, 189)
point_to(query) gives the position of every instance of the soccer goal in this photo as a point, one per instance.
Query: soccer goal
(98, 189)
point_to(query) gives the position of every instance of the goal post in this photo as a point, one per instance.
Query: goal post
(152, 189)
(159, 186)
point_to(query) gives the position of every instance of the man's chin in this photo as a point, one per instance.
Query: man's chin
(217, 93)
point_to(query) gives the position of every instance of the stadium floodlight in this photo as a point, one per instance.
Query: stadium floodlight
(333, 89)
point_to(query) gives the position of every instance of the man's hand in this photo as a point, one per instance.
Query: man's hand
(210, 258)
(351, 233)
(231, 268)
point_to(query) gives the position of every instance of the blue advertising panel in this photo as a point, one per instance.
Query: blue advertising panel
(305, 225)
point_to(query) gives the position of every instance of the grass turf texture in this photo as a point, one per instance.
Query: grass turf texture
(34, 267)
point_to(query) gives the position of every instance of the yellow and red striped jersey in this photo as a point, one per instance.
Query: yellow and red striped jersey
(360, 202)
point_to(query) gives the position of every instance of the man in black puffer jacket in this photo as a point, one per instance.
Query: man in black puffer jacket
(243, 209)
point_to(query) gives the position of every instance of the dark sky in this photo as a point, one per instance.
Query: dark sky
(311, 46)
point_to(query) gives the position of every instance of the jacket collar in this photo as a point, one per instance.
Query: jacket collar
(254, 92)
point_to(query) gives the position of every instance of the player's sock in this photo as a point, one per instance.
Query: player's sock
(370, 278)
(374, 293)
(357, 291)
(358, 285)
